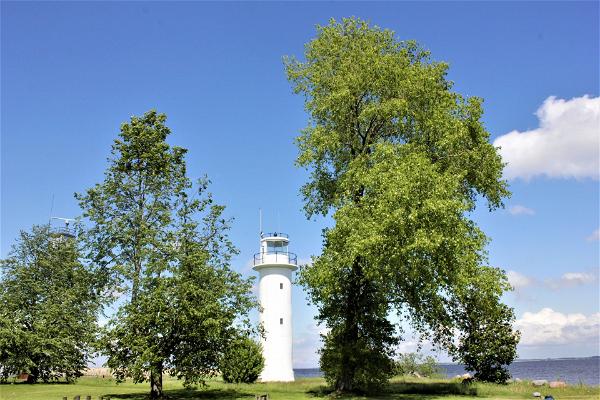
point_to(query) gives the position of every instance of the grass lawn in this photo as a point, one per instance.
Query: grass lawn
(309, 388)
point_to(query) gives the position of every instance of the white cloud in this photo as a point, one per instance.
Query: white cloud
(306, 346)
(578, 278)
(594, 236)
(408, 346)
(304, 262)
(412, 344)
(520, 282)
(521, 210)
(517, 280)
(565, 145)
(549, 327)
(571, 279)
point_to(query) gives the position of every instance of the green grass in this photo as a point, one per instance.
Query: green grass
(308, 388)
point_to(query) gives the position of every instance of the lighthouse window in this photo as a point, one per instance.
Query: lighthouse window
(281, 286)
(278, 246)
(280, 321)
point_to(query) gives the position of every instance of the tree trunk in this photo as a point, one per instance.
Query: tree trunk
(345, 383)
(156, 389)
(31, 378)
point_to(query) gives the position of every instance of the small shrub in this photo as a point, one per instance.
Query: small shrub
(415, 363)
(242, 362)
(489, 344)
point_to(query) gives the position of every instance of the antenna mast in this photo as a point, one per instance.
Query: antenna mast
(51, 210)
(260, 221)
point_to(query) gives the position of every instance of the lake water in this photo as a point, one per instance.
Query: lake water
(571, 370)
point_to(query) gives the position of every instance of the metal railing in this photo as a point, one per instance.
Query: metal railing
(274, 234)
(63, 231)
(284, 257)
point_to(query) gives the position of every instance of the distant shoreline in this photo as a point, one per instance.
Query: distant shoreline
(537, 359)
(517, 360)
(573, 370)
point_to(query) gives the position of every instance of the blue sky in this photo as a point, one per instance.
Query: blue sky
(72, 72)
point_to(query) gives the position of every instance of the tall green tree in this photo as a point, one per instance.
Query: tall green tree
(49, 302)
(399, 160)
(166, 242)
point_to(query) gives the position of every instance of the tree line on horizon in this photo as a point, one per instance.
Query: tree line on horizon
(396, 158)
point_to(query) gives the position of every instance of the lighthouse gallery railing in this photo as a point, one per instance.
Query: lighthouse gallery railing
(284, 257)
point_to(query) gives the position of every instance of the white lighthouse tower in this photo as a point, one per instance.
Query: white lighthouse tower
(275, 265)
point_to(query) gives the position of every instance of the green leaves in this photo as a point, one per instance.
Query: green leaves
(165, 243)
(399, 160)
(242, 362)
(134, 204)
(488, 343)
(49, 302)
(416, 364)
(363, 87)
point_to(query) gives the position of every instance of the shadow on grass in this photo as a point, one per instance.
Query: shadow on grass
(433, 388)
(407, 390)
(190, 394)
(25, 383)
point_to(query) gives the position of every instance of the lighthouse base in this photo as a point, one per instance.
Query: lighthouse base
(277, 376)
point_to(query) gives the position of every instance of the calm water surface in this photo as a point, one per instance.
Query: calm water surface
(572, 370)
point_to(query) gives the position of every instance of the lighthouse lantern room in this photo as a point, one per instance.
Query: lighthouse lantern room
(275, 265)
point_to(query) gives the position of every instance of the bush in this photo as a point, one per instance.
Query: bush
(415, 363)
(242, 362)
(490, 345)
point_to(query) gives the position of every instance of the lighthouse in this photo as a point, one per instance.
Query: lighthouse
(275, 265)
